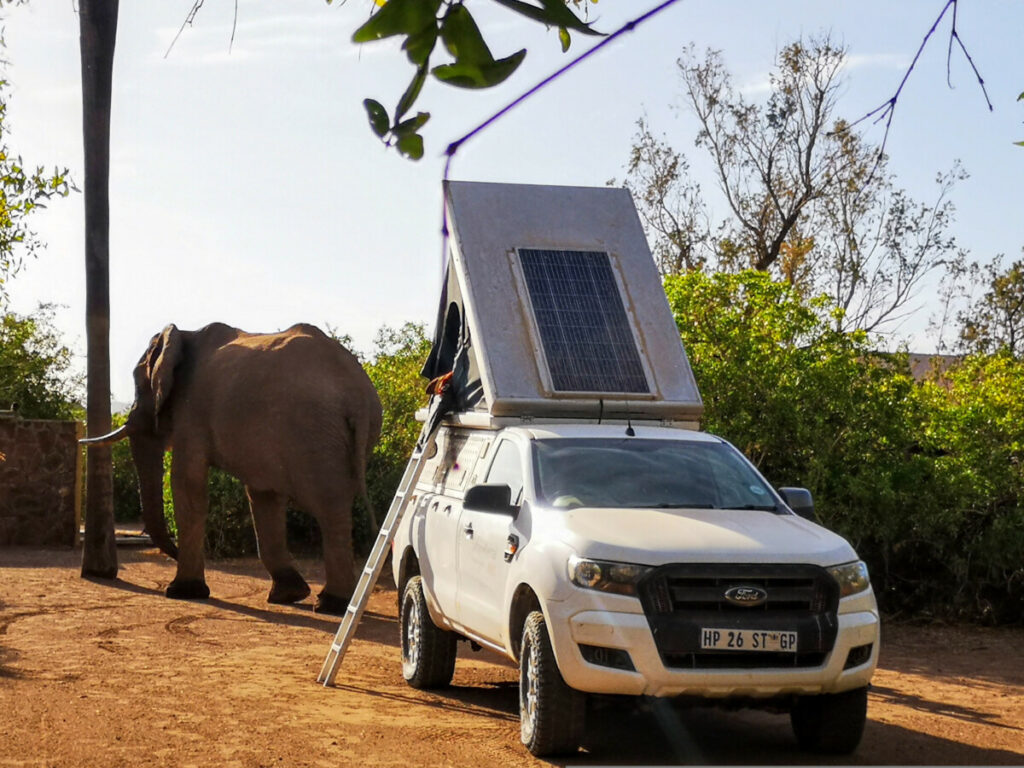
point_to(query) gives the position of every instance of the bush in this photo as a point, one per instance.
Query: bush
(976, 431)
(36, 373)
(924, 479)
(399, 354)
(127, 506)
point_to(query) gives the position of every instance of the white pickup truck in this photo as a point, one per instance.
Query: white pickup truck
(646, 561)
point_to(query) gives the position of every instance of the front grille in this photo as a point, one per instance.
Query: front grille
(681, 599)
(684, 592)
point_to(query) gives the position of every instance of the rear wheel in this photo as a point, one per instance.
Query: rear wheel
(428, 652)
(551, 713)
(831, 723)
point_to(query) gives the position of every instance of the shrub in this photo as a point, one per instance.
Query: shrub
(976, 430)
(924, 479)
(399, 354)
(36, 372)
(127, 506)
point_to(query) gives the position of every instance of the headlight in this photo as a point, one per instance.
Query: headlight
(619, 578)
(852, 578)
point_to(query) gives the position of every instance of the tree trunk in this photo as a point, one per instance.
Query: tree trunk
(97, 34)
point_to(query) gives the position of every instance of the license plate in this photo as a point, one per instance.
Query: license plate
(714, 639)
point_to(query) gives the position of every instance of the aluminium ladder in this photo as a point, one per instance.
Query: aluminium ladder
(375, 560)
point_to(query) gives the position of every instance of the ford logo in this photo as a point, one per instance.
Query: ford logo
(747, 597)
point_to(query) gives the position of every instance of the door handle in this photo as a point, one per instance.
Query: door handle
(468, 530)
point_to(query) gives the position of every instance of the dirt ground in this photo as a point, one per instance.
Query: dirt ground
(114, 674)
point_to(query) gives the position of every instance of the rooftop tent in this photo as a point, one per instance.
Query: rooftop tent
(552, 308)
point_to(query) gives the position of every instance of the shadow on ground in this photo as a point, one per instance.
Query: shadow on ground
(666, 735)
(660, 733)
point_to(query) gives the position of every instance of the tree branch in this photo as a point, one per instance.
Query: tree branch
(887, 109)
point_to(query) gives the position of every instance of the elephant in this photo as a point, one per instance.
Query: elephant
(292, 415)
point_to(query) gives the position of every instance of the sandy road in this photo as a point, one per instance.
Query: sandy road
(99, 674)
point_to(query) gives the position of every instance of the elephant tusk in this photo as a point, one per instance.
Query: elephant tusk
(118, 434)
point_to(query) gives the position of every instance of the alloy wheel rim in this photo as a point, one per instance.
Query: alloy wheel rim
(529, 694)
(412, 632)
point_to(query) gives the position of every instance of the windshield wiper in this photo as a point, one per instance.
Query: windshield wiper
(758, 507)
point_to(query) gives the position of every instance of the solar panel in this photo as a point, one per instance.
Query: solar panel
(584, 330)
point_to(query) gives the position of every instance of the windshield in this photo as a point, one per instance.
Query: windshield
(636, 472)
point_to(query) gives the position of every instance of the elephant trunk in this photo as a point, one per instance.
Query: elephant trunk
(148, 455)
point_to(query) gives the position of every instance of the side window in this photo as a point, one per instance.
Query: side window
(507, 468)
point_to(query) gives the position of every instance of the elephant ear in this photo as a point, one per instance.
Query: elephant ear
(165, 354)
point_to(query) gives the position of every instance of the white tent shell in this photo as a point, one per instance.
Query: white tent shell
(502, 236)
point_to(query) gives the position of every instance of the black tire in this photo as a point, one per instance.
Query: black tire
(830, 723)
(428, 652)
(551, 714)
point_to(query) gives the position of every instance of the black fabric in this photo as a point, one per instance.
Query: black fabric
(447, 340)
(461, 394)
(452, 352)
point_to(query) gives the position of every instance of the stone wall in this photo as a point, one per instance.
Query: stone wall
(40, 482)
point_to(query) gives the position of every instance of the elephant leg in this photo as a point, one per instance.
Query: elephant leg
(268, 517)
(335, 519)
(188, 485)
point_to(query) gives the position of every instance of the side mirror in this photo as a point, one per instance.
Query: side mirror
(490, 498)
(800, 501)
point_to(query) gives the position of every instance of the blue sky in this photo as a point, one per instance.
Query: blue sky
(247, 188)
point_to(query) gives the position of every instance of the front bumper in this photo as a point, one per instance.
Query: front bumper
(629, 631)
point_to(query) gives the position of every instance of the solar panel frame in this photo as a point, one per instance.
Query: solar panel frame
(585, 339)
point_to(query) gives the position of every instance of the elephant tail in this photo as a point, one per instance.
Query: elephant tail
(360, 457)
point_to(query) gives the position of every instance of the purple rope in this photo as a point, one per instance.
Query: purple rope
(454, 147)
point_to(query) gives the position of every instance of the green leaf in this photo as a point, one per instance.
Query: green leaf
(462, 37)
(411, 145)
(398, 17)
(1021, 97)
(379, 121)
(418, 47)
(411, 93)
(564, 39)
(465, 75)
(412, 125)
(559, 9)
(554, 13)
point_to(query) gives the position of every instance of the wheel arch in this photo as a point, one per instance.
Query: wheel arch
(524, 601)
(408, 566)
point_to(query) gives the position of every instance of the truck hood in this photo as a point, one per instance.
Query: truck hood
(661, 536)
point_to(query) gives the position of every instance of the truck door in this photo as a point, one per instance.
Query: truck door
(438, 567)
(482, 539)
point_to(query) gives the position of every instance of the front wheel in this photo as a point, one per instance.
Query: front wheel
(831, 723)
(551, 713)
(428, 652)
